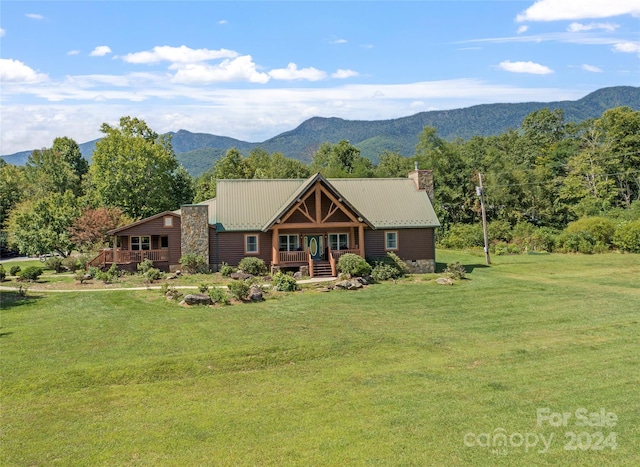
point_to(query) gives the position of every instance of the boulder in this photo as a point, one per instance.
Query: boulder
(255, 293)
(341, 285)
(444, 281)
(353, 285)
(240, 276)
(198, 299)
(297, 275)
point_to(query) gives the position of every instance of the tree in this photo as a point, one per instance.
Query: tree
(135, 170)
(89, 231)
(340, 160)
(42, 225)
(46, 171)
(11, 189)
(393, 164)
(70, 152)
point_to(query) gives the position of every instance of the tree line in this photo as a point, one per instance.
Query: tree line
(547, 173)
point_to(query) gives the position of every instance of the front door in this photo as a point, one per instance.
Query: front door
(314, 245)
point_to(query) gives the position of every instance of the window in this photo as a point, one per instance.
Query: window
(251, 244)
(391, 240)
(288, 242)
(164, 242)
(141, 243)
(168, 221)
(339, 241)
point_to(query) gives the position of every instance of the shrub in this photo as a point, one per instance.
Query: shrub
(193, 263)
(352, 264)
(456, 270)
(578, 242)
(284, 282)
(389, 267)
(153, 274)
(145, 265)
(627, 237)
(55, 263)
(600, 229)
(252, 265)
(239, 290)
(218, 295)
(226, 270)
(31, 273)
(71, 263)
(499, 230)
(81, 276)
(170, 291)
(110, 275)
(461, 236)
(383, 272)
(500, 248)
(14, 270)
(93, 272)
(3, 273)
(203, 288)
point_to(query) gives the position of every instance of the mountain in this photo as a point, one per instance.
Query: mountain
(199, 151)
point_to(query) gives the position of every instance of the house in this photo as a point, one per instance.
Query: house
(290, 224)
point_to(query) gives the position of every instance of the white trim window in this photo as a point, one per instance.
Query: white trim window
(141, 243)
(251, 245)
(391, 240)
(168, 221)
(288, 242)
(339, 241)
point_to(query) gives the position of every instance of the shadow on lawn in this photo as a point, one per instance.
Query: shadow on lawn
(440, 267)
(9, 300)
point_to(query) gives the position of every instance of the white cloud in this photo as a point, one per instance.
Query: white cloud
(182, 54)
(293, 73)
(525, 67)
(591, 68)
(340, 41)
(554, 10)
(222, 21)
(2, 32)
(343, 74)
(522, 29)
(73, 52)
(577, 27)
(100, 51)
(627, 47)
(34, 16)
(14, 71)
(239, 69)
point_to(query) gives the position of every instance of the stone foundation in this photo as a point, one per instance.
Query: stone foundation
(421, 266)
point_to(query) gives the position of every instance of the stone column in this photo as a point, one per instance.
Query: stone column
(195, 230)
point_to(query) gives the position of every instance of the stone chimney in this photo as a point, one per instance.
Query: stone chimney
(423, 180)
(195, 229)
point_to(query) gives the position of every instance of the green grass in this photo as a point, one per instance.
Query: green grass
(394, 374)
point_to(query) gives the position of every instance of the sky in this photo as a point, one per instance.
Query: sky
(254, 69)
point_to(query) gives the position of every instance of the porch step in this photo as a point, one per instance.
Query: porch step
(322, 269)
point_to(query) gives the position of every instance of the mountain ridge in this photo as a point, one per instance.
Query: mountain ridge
(198, 151)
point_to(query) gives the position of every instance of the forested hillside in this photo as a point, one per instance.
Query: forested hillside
(198, 151)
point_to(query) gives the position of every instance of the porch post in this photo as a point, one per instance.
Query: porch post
(274, 247)
(361, 239)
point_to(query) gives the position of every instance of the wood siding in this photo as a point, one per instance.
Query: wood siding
(413, 244)
(229, 247)
(154, 227)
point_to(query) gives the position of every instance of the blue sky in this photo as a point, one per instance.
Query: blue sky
(251, 70)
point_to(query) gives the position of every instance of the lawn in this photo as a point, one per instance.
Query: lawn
(406, 373)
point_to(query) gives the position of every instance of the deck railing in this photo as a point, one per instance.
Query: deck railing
(293, 256)
(109, 256)
(336, 254)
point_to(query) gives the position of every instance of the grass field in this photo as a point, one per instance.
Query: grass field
(411, 373)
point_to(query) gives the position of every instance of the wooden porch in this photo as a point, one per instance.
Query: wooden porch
(110, 256)
(304, 258)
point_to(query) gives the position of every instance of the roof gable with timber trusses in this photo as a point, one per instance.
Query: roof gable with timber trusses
(315, 203)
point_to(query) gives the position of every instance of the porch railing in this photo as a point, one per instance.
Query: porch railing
(293, 256)
(336, 254)
(128, 256)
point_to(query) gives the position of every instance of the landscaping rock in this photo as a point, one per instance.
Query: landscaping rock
(255, 293)
(240, 276)
(323, 289)
(353, 285)
(297, 275)
(444, 281)
(341, 285)
(198, 299)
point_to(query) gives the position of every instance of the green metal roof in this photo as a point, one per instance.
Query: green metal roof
(253, 205)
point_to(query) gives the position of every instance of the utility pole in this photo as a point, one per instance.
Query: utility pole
(480, 193)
